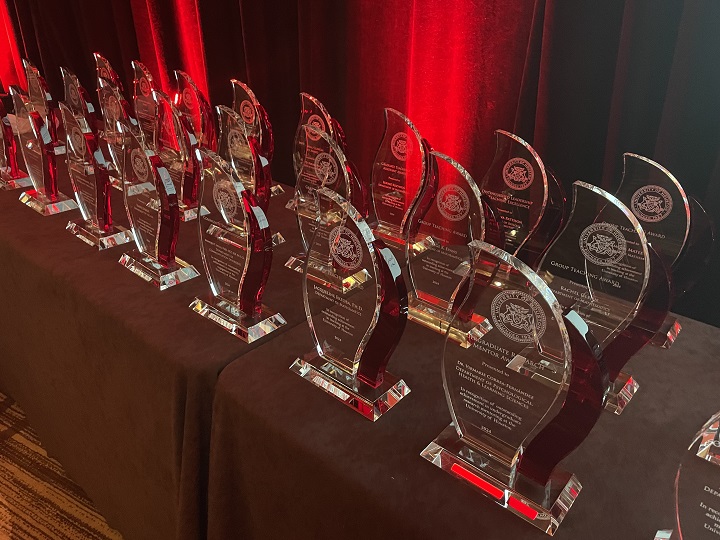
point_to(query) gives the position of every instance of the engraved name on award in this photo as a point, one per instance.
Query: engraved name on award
(355, 330)
(38, 150)
(236, 248)
(153, 210)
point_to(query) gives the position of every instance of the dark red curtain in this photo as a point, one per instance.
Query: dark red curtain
(583, 81)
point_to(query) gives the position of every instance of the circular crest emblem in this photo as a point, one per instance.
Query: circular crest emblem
(225, 198)
(518, 316)
(326, 169)
(651, 203)
(603, 244)
(453, 202)
(138, 161)
(247, 111)
(235, 143)
(345, 248)
(518, 173)
(318, 123)
(104, 73)
(74, 95)
(112, 109)
(399, 146)
(189, 98)
(77, 141)
(144, 87)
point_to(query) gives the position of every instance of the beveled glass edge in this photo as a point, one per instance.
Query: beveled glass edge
(139, 67)
(673, 179)
(543, 171)
(367, 233)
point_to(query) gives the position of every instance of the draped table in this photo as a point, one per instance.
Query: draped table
(289, 461)
(117, 377)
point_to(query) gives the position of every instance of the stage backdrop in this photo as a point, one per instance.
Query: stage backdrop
(583, 81)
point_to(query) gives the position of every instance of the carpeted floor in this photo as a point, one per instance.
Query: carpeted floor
(37, 500)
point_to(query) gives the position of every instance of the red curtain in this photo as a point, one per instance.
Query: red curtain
(583, 81)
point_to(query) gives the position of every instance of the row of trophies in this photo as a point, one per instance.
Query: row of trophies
(541, 305)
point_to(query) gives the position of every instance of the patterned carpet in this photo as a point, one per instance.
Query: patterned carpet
(37, 500)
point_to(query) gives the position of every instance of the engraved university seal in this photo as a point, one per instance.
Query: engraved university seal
(518, 316)
(345, 248)
(651, 203)
(603, 244)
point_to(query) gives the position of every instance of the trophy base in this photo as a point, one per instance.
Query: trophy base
(43, 205)
(437, 320)
(291, 205)
(154, 273)
(7, 182)
(116, 182)
(189, 213)
(370, 402)
(99, 239)
(296, 263)
(668, 333)
(277, 239)
(623, 390)
(544, 507)
(276, 190)
(667, 534)
(233, 320)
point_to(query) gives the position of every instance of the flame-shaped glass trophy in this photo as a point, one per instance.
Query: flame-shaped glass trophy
(523, 393)
(40, 101)
(91, 184)
(236, 248)
(105, 71)
(403, 180)
(602, 266)
(12, 176)
(193, 104)
(115, 108)
(676, 225)
(77, 100)
(153, 210)
(39, 152)
(355, 330)
(528, 198)
(176, 146)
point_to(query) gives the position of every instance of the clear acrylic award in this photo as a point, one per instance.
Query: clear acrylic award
(176, 144)
(236, 248)
(191, 103)
(39, 152)
(40, 101)
(77, 100)
(523, 392)
(527, 197)
(105, 71)
(146, 109)
(115, 109)
(12, 176)
(154, 213)
(355, 330)
(91, 184)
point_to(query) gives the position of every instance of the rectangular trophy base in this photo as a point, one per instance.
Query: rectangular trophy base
(296, 263)
(277, 239)
(436, 319)
(189, 213)
(544, 507)
(291, 205)
(623, 390)
(99, 239)
(666, 534)
(43, 205)
(154, 273)
(668, 333)
(233, 320)
(370, 402)
(276, 190)
(116, 182)
(7, 182)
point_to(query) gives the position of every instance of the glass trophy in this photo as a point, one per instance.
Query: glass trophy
(438, 252)
(40, 101)
(241, 150)
(91, 183)
(403, 178)
(11, 174)
(355, 331)
(697, 486)
(146, 109)
(528, 198)
(77, 100)
(524, 393)
(176, 146)
(323, 166)
(154, 213)
(256, 123)
(115, 109)
(191, 103)
(668, 216)
(602, 266)
(105, 71)
(236, 248)
(39, 152)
